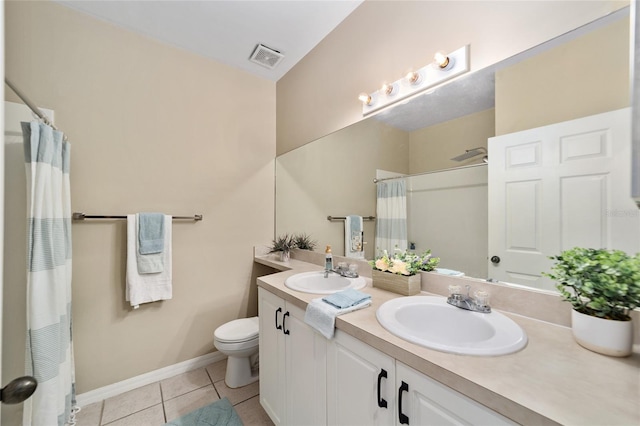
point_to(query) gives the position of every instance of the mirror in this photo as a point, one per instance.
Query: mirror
(560, 80)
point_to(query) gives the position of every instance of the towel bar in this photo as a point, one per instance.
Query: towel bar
(344, 218)
(82, 216)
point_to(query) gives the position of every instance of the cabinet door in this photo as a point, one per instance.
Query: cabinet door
(360, 383)
(305, 401)
(425, 401)
(271, 310)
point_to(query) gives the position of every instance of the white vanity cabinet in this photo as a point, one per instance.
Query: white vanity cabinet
(368, 387)
(292, 364)
(424, 401)
(360, 383)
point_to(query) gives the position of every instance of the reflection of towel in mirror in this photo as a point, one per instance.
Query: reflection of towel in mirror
(151, 263)
(322, 316)
(353, 232)
(453, 273)
(147, 287)
(150, 233)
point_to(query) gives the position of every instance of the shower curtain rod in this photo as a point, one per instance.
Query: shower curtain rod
(82, 216)
(31, 106)
(431, 172)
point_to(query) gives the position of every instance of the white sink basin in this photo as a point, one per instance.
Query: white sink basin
(315, 282)
(430, 322)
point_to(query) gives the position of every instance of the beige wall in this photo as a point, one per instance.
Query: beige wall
(382, 40)
(152, 128)
(334, 177)
(586, 76)
(433, 147)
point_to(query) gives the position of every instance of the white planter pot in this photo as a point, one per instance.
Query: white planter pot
(608, 337)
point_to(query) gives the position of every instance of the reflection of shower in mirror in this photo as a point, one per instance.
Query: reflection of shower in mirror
(473, 152)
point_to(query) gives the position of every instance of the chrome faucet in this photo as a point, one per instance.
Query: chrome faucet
(340, 271)
(479, 303)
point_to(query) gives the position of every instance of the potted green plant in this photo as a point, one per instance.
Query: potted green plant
(603, 286)
(283, 244)
(304, 242)
(399, 273)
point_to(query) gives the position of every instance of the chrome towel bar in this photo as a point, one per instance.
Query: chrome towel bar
(82, 216)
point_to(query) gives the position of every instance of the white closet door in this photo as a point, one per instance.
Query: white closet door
(557, 187)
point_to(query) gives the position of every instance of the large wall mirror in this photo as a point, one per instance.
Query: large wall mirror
(582, 73)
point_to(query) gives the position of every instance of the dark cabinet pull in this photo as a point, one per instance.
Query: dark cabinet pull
(382, 403)
(403, 418)
(278, 327)
(284, 318)
(495, 260)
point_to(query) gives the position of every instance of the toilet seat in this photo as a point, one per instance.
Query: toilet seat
(236, 331)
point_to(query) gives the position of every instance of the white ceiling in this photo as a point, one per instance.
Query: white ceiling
(227, 30)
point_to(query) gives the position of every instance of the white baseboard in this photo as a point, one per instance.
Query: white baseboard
(148, 378)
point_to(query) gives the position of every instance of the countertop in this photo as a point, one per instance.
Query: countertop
(552, 380)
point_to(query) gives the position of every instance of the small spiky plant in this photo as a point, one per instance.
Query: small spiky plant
(304, 242)
(284, 243)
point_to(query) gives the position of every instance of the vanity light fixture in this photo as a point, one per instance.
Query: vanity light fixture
(444, 67)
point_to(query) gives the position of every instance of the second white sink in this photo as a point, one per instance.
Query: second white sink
(429, 321)
(315, 282)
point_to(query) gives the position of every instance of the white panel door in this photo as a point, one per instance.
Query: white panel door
(557, 187)
(272, 366)
(360, 383)
(306, 368)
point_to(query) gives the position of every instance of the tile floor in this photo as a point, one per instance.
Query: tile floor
(161, 402)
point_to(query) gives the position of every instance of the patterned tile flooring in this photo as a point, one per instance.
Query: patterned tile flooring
(166, 400)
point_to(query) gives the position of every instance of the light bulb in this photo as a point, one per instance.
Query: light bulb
(414, 77)
(442, 60)
(389, 89)
(365, 98)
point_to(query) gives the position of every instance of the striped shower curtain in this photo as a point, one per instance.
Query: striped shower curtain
(49, 351)
(391, 213)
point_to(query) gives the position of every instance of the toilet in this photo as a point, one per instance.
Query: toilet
(238, 339)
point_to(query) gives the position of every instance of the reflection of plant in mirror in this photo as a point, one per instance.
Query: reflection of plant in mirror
(405, 262)
(598, 282)
(284, 243)
(304, 242)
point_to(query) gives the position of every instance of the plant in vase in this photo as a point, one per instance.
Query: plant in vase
(603, 286)
(304, 242)
(398, 273)
(283, 244)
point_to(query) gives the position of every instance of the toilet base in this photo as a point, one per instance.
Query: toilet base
(239, 372)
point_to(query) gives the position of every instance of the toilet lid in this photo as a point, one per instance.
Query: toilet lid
(239, 330)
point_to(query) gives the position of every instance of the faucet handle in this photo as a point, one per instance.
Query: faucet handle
(454, 289)
(482, 298)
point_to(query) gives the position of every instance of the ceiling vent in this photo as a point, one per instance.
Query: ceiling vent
(266, 56)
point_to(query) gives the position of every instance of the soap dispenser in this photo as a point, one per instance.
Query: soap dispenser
(328, 259)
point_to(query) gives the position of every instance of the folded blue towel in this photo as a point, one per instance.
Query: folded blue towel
(346, 298)
(322, 316)
(150, 233)
(453, 273)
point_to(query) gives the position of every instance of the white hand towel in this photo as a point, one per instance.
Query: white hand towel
(147, 287)
(322, 316)
(353, 232)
